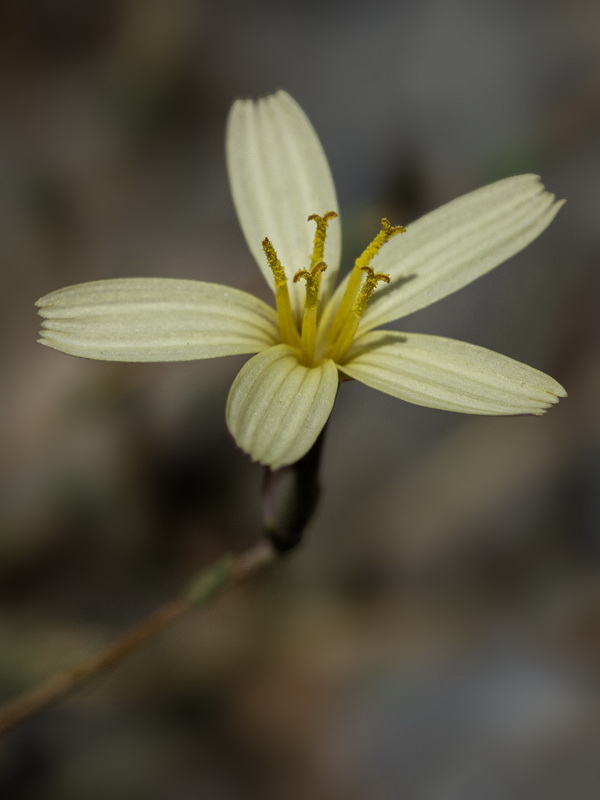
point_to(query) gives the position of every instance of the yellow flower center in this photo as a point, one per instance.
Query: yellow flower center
(328, 332)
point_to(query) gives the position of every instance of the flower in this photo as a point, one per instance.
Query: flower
(316, 336)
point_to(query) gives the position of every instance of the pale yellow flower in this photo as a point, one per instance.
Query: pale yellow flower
(285, 200)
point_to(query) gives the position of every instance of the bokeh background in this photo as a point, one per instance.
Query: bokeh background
(436, 637)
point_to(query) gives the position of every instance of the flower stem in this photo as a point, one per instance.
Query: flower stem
(223, 575)
(291, 495)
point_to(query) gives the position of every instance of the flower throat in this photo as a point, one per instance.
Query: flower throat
(318, 336)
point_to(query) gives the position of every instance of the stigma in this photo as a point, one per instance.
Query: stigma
(322, 331)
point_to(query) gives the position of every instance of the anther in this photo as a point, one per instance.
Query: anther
(313, 283)
(285, 316)
(385, 234)
(320, 235)
(391, 230)
(378, 277)
(274, 263)
(367, 289)
(310, 273)
(350, 326)
(353, 287)
(311, 306)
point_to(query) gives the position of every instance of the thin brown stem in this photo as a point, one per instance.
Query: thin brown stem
(220, 577)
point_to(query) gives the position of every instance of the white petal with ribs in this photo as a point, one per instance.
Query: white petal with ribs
(452, 246)
(455, 376)
(155, 319)
(277, 407)
(279, 176)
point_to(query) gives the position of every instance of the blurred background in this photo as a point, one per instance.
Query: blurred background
(436, 636)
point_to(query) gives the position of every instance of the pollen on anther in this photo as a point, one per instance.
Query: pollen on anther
(320, 235)
(325, 218)
(367, 289)
(310, 274)
(391, 230)
(376, 277)
(274, 263)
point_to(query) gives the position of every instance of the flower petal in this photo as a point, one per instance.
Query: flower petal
(444, 373)
(452, 246)
(277, 407)
(279, 176)
(155, 319)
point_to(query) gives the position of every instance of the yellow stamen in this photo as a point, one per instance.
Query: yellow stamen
(354, 281)
(359, 307)
(385, 234)
(287, 325)
(320, 235)
(367, 289)
(311, 308)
